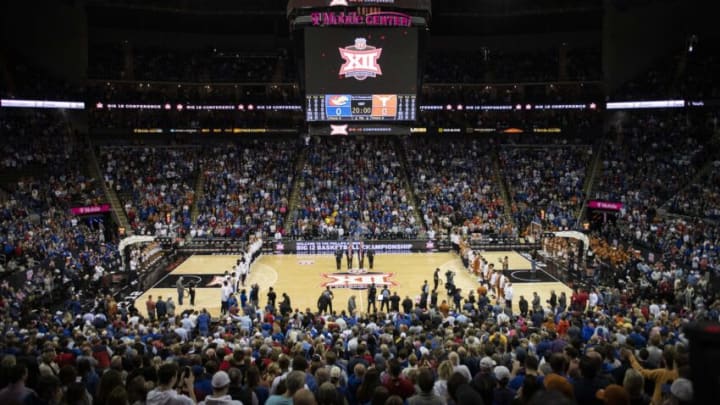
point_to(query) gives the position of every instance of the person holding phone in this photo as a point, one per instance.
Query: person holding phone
(173, 386)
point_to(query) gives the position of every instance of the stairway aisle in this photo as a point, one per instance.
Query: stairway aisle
(401, 152)
(590, 179)
(199, 193)
(504, 187)
(295, 187)
(118, 211)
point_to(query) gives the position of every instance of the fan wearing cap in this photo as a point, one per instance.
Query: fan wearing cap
(220, 386)
(682, 391)
(484, 381)
(503, 395)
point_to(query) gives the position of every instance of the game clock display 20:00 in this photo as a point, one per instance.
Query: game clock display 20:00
(360, 108)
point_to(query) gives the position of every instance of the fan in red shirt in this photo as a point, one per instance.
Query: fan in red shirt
(579, 300)
(396, 384)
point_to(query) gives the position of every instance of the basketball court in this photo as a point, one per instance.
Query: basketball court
(304, 277)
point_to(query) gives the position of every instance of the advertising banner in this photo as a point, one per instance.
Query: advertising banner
(92, 209)
(326, 246)
(605, 205)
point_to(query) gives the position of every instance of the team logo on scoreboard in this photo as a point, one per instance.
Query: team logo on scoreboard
(360, 60)
(338, 101)
(357, 281)
(338, 129)
(384, 105)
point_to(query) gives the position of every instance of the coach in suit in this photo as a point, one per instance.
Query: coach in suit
(349, 255)
(372, 295)
(338, 257)
(371, 257)
(361, 256)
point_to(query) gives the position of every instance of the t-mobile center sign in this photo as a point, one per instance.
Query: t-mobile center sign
(353, 19)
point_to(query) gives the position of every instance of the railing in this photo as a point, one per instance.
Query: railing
(405, 166)
(118, 211)
(590, 179)
(295, 187)
(213, 246)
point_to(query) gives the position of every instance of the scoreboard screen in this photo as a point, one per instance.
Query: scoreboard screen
(361, 74)
(361, 107)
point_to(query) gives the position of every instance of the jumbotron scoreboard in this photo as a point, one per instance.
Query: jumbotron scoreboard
(361, 74)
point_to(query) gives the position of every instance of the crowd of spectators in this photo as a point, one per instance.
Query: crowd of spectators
(701, 198)
(648, 160)
(681, 74)
(649, 163)
(156, 185)
(545, 183)
(493, 94)
(497, 66)
(208, 65)
(135, 92)
(602, 345)
(354, 187)
(673, 262)
(245, 189)
(34, 139)
(653, 271)
(41, 240)
(479, 351)
(455, 187)
(692, 242)
(21, 79)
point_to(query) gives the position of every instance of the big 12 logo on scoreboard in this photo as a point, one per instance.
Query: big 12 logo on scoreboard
(360, 60)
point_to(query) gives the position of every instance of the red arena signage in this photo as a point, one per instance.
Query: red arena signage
(92, 209)
(605, 205)
(381, 19)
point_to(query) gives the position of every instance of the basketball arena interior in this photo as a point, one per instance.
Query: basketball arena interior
(359, 202)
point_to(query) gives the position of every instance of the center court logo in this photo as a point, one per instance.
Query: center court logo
(360, 60)
(357, 281)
